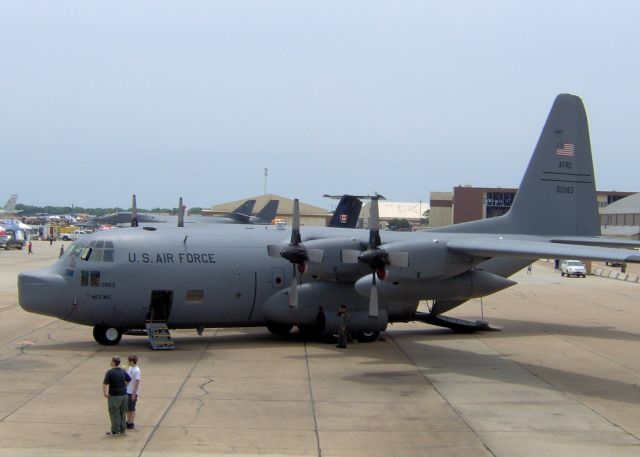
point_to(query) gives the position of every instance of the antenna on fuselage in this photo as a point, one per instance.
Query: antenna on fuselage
(134, 212)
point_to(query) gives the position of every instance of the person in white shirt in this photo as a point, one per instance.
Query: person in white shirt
(133, 389)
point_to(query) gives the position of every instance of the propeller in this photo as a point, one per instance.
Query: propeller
(376, 257)
(134, 212)
(181, 209)
(294, 252)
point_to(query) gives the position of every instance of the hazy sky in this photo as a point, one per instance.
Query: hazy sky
(99, 100)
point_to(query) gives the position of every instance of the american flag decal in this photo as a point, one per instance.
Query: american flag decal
(565, 149)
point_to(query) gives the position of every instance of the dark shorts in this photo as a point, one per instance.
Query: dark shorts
(132, 403)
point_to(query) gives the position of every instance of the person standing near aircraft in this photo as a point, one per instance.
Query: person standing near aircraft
(30, 245)
(133, 389)
(61, 250)
(343, 330)
(114, 389)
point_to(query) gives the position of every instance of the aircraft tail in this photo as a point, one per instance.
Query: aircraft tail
(557, 195)
(242, 213)
(268, 212)
(346, 213)
(10, 206)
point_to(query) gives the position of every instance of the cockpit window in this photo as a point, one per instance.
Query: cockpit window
(85, 254)
(108, 255)
(74, 250)
(100, 251)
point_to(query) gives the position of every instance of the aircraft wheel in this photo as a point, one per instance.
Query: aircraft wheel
(107, 336)
(279, 329)
(367, 337)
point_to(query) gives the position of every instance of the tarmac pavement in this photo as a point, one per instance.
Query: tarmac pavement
(562, 378)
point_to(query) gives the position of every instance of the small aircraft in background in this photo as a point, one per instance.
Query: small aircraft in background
(9, 208)
(143, 280)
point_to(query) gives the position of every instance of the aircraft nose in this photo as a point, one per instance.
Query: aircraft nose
(42, 292)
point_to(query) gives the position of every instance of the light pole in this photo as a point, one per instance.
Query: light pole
(266, 173)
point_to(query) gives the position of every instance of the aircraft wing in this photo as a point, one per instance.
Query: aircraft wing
(509, 247)
(597, 241)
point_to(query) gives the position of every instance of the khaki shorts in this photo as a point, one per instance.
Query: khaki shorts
(132, 402)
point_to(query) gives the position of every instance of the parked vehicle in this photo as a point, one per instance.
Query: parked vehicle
(12, 239)
(573, 268)
(72, 236)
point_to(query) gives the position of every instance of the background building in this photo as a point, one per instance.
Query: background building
(413, 212)
(468, 203)
(622, 218)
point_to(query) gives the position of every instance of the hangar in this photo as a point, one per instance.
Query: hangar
(310, 215)
(622, 218)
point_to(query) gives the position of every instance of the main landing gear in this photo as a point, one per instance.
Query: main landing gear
(107, 336)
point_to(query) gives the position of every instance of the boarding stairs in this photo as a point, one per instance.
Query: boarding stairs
(159, 336)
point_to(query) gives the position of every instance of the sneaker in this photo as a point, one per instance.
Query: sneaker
(130, 426)
(112, 434)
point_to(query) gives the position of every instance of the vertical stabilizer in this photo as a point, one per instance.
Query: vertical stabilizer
(268, 213)
(10, 206)
(346, 213)
(557, 195)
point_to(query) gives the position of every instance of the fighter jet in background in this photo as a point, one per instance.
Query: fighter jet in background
(9, 208)
(224, 275)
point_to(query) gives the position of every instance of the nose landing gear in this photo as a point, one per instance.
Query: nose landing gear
(107, 336)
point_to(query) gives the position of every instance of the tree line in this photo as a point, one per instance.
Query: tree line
(31, 210)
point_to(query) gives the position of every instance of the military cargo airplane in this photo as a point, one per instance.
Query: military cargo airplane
(242, 215)
(225, 275)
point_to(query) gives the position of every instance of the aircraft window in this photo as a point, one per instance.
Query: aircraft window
(74, 250)
(68, 272)
(195, 296)
(97, 255)
(86, 253)
(108, 255)
(95, 279)
(100, 244)
(84, 278)
(108, 244)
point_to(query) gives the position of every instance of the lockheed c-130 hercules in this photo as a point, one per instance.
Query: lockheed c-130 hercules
(222, 275)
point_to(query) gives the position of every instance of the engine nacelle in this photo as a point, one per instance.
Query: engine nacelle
(360, 321)
(326, 298)
(332, 267)
(470, 284)
(429, 259)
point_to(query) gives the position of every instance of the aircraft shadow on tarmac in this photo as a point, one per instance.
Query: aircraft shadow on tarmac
(510, 328)
(439, 360)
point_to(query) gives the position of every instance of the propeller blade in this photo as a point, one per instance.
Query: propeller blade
(350, 255)
(374, 224)
(295, 225)
(293, 291)
(398, 259)
(134, 212)
(180, 213)
(373, 298)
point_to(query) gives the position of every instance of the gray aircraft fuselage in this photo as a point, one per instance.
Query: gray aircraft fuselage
(217, 275)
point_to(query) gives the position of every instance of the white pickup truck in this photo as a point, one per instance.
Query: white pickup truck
(72, 236)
